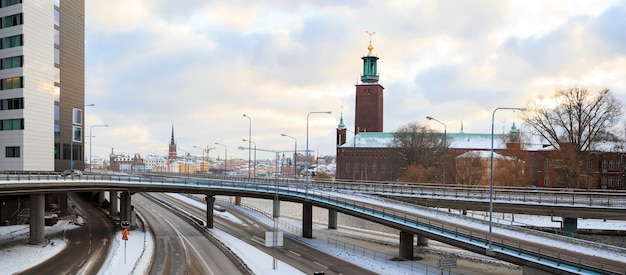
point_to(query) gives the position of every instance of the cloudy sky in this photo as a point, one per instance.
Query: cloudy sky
(200, 65)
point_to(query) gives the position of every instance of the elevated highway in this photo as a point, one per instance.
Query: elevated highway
(531, 249)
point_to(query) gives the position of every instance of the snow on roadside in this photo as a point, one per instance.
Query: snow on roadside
(20, 256)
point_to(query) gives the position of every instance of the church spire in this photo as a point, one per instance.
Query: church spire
(341, 125)
(172, 140)
(172, 152)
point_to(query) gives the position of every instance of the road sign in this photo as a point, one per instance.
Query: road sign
(446, 263)
(125, 234)
(269, 239)
(125, 224)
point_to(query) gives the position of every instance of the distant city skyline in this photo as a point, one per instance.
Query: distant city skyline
(199, 66)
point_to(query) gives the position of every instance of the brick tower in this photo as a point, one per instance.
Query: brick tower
(368, 115)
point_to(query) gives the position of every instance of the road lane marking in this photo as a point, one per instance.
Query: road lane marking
(320, 264)
(208, 268)
(295, 253)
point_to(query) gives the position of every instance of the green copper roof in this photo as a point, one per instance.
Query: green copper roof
(341, 125)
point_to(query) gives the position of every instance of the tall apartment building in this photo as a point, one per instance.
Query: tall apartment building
(42, 62)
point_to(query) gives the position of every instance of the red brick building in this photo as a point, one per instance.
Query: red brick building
(368, 155)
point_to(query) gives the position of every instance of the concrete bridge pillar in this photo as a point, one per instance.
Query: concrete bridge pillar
(125, 208)
(307, 219)
(332, 219)
(422, 241)
(100, 198)
(570, 227)
(114, 203)
(210, 204)
(276, 208)
(406, 245)
(37, 209)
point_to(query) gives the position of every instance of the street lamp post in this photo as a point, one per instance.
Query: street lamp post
(445, 144)
(72, 132)
(91, 144)
(295, 152)
(202, 162)
(490, 248)
(253, 163)
(225, 154)
(306, 169)
(249, 140)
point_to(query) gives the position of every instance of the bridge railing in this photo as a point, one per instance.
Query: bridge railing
(559, 258)
(399, 216)
(568, 197)
(602, 198)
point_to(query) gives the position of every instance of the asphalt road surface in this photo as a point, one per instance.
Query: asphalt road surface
(88, 247)
(180, 248)
(294, 253)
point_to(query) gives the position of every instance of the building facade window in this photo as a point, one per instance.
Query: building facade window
(12, 20)
(57, 56)
(57, 151)
(12, 83)
(6, 3)
(77, 134)
(12, 152)
(57, 37)
(77, 116)
(374, 168)
(12, 62)
(604, 164)
(12, 124)
(546, 182)
(12, 104)
(57, 131)
(12, 41)
(57, 17)
(57, 112)
(57, 94)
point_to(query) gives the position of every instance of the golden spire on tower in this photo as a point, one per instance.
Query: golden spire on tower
(370, 47)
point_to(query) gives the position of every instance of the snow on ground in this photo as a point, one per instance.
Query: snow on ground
(16, 255)
(576, 245)
(257, 260)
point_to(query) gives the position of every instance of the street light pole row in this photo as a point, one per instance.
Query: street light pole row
(249, 142)
(445, 144)
(490, 248)
(225, 154)
(295, 152)
(306, 169)
(91, 144)
(254, 162)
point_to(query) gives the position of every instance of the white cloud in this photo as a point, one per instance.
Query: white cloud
(201, 65)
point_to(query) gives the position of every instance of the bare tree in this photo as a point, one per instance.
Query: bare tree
(469, 169)
(574, 116)
(572, 120)
(418, 144)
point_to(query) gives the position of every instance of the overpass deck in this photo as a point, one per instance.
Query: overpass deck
(548, 252)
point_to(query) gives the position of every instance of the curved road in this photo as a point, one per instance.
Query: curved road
(294, 253)
(87, 248)
(180, 247)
